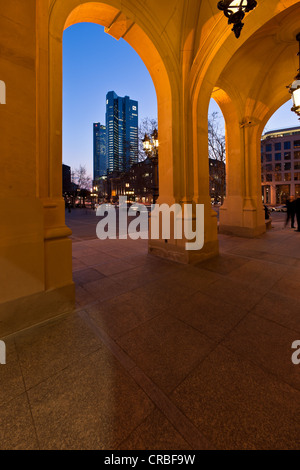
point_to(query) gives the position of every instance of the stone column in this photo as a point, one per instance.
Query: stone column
(242, 213)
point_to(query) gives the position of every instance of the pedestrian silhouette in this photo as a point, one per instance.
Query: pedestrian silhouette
(297, 205)
(291, 211)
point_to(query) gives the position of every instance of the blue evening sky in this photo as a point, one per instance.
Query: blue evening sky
(95, 63)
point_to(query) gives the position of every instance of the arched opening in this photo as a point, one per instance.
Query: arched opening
(252, 87)
(217, 155)
(119, 25)
(102, 149)
(280, 157)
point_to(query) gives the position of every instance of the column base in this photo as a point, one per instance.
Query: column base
(179, 254)
(25, 312)
(242, 217)
(245, 232)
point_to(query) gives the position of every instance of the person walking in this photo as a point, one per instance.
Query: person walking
(291, 211)
(297, 207)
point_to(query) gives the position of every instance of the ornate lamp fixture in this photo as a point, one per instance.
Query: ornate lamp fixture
(294, 88)
(235, 11)
(151, 145)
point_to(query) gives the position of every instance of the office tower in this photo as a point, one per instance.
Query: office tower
(100, 154)
(122, 132)
(67, 179)
(280, 158)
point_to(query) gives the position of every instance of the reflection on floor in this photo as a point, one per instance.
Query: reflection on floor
(163, 356)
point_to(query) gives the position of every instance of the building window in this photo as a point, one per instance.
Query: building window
(297, 155)
(297, 165)
(269, 178)
(269, 167)
(287, 145)
(268, 157)
(278, 146)
(287, 177)
(287, 155)
(278, 157)
(269, 148)
(262, 178)
(278, 177)
(297, 176)
(278, 167)
(297, 144)
(282, 193)
(287, 167)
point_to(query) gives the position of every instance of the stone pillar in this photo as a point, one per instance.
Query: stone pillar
(242, 213)
(190, 173)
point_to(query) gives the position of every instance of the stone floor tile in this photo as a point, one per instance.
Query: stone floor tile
(166, 349)
(237, 405)
(45, 350)
(11, 380)
(224, 264)
(234, 292)
(105, 289)
(93, 404)
(155, 433)
(120, 315)
(211, 316)
(279, 309)
(268, 345)
(87, 275)
(16, 427)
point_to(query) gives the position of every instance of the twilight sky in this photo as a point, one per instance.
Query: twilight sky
(95, 63)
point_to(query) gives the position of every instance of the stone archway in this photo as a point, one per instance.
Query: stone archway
(248, 80)
(118, 23)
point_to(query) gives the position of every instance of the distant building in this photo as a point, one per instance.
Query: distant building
(67, 180)
(122, 132)
(280, 158)
(217, 180)
(136, 184)
(100, 152)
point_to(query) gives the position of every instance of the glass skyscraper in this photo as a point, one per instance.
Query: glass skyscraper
(122, 132)
(100, 153)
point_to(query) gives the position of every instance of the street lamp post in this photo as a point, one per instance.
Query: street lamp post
(151, 145)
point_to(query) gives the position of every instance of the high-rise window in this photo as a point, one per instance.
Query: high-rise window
(100, 151)
(287, 145)
(269, 148)
(122, 134)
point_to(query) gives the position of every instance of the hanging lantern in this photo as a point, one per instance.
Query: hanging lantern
(235, 11)
(294, 88)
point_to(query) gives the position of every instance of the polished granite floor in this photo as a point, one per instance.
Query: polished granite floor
(163, 356)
